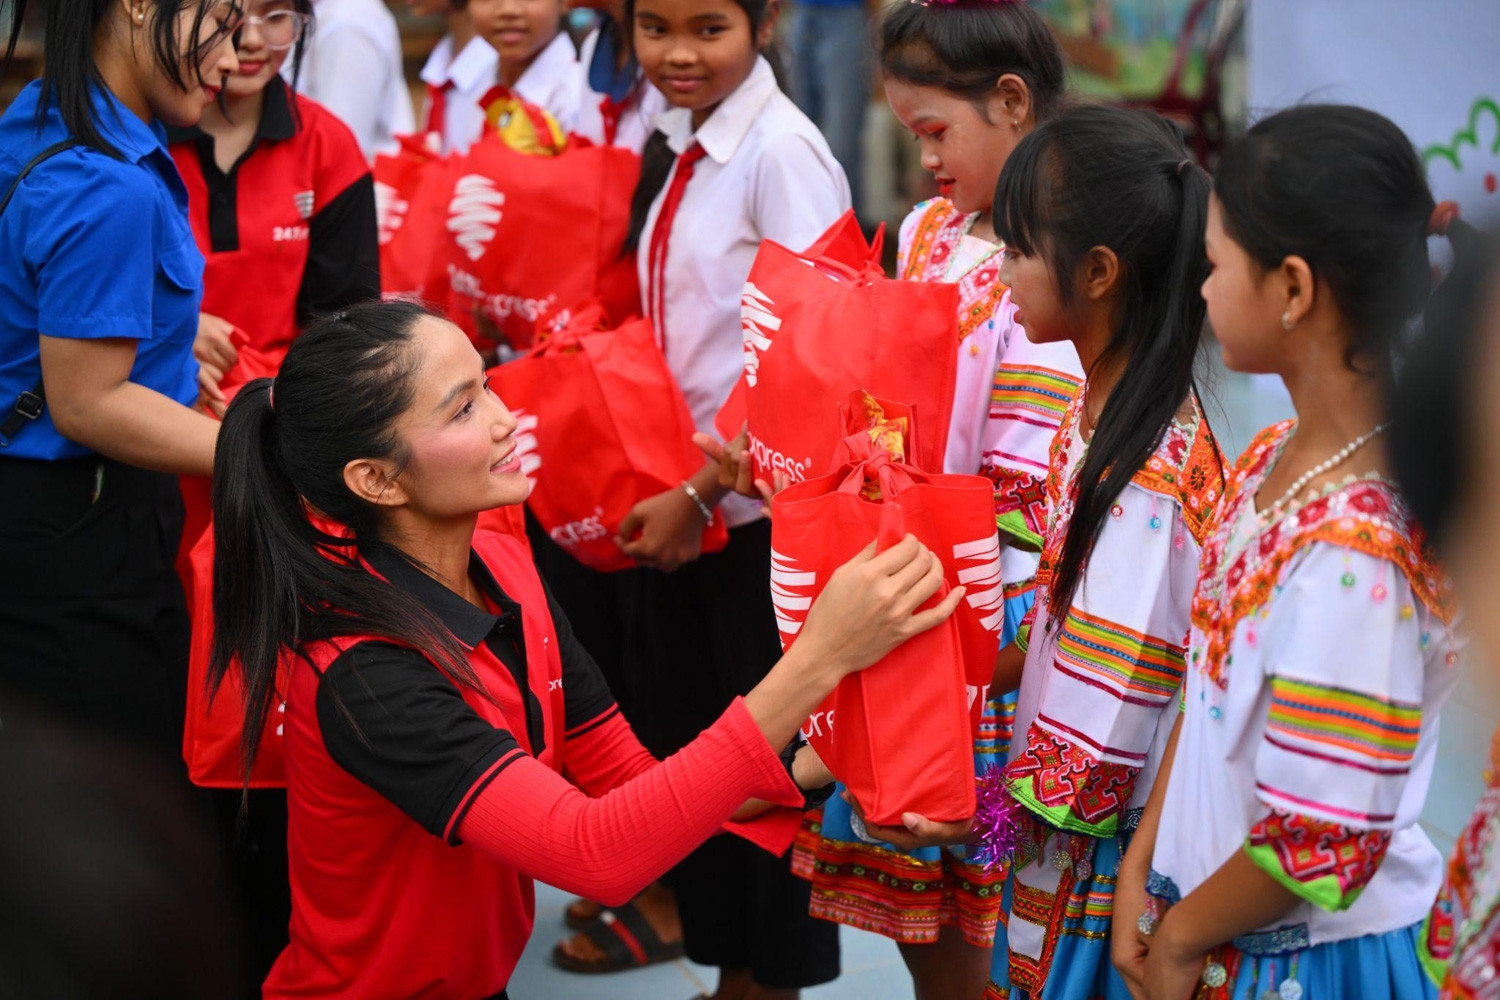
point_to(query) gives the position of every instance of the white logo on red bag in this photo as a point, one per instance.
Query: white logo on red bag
(474, 213)
(526, 450)
(818, 724)
(585, 529)
(390, 211)
(767, 457)
(791, 593)
(757, 323)
(499, 307)
(979, 570)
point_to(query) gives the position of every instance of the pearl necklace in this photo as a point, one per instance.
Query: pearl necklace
(1339, 458)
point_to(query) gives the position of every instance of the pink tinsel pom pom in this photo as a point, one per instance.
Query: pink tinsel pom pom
(999, 820)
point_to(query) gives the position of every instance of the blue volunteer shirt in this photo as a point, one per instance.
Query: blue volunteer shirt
(93, 247)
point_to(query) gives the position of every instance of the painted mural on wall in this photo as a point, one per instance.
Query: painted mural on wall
(1124, 48)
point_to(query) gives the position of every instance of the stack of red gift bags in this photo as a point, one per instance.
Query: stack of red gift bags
(900, 735)
(512, 231)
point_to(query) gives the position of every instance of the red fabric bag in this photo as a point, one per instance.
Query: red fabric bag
(821, 323)
(412, 190)
(900, 735)
(528, 235)
(602, 427)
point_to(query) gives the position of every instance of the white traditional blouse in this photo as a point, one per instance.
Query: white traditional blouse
(1320, 654)
(1010, 394)
(1099, 678)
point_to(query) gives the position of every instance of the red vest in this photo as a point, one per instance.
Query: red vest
(380, 907)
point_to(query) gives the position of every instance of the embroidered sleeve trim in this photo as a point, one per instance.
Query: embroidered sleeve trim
(1135, 667)
(1325, 863)
(1068, 786)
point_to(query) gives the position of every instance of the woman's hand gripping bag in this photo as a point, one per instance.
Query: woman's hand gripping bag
(821, 323)
(413, 188)
(900, 735)
(535, 230)
(602, 426)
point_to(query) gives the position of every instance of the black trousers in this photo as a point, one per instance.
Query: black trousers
(93, 627)
(693, 640)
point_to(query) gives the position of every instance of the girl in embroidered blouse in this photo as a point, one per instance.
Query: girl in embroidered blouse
(1102, 213)
(1284, 856)
(968, 79)
(1444, 450)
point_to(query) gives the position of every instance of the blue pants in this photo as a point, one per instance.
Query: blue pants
(832, 56)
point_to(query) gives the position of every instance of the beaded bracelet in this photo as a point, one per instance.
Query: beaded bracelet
(703, 508)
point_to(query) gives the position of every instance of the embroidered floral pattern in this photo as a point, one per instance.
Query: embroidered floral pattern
(1324, 863)
(938, 233)
(1460, 943)
(1069, 786)
(1365, 516)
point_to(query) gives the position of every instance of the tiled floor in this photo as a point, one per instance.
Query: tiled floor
(1237, 407)
(872, 969)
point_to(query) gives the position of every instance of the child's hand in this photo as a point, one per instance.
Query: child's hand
(1128, 946)
(732, 457)
(916, 830)
(663, 532)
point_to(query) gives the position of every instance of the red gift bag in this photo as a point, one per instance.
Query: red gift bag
(602, 427)
(211, 731)
(412, 190)
(900, 735)
(528, 235)
(819, 324)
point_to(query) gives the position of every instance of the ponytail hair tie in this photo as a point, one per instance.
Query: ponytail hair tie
(1183, 165)
(1443, 214)
(342, 316)
(271, 396)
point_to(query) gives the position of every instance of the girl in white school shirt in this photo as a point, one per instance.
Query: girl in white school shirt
(460, 71)
(741, 165)
(538, 62)
(619, 105)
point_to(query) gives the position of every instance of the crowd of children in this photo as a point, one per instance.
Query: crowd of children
(1213, 715)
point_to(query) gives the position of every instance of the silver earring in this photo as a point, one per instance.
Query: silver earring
(1287, 323)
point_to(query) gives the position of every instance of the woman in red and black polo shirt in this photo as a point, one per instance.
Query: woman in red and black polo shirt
(280, 198)
(447, 739)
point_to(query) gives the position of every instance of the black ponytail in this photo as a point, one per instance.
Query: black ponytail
(657, 157)
(281, 582)
(1123, 180)
(965, 46)
(70, 69)
(1432, 410)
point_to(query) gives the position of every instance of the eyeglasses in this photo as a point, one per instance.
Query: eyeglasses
(279, 30)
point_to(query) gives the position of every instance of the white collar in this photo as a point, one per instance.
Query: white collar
(469, 70)
(557, 59)
(730, 122)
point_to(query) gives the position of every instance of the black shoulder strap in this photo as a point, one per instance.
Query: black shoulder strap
(31, 403)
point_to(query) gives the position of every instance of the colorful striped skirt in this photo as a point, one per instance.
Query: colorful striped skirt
(1057, 904)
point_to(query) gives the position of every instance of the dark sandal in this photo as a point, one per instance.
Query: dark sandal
(578, 923)
(627, 939)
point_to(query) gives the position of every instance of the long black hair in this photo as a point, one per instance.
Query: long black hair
(279, 581)
(1342, 188)
(1432, 436)
(964, 47)
(657, 157)
(1124, 180)
(70, 69)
